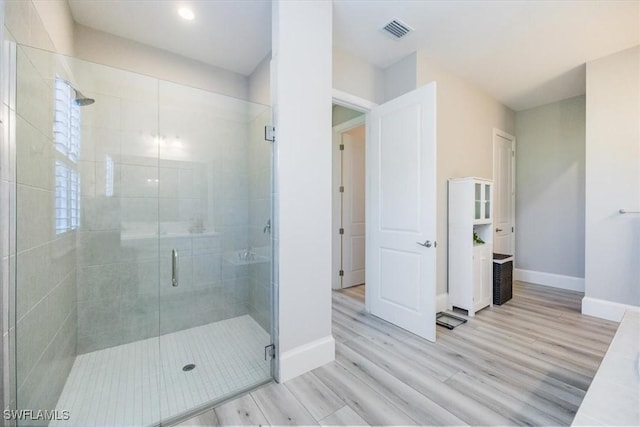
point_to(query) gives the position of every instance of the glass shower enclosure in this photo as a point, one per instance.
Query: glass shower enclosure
(143, 267)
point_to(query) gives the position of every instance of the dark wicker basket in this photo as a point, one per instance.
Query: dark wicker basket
(502, 279)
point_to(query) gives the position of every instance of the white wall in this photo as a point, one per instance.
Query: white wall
(466, 117)
(357, 77)
(401, 77)
(612, 240)
(260, 82)
(550, 189)
(350, 74)
(340, 114)
(103, 48)
(302, 54)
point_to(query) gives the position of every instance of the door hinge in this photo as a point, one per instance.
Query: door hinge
(512, 229)
(342, 188)
(341, 231)
(270, 350)
(513, 153)
(341, 273)
(341, 147)
(269, 133)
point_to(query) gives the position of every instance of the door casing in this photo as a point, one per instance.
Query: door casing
(358, 104)
(337, 211)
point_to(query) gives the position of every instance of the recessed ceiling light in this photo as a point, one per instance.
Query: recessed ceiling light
(186, 13)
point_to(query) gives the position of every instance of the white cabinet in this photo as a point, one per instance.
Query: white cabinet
(470, 262)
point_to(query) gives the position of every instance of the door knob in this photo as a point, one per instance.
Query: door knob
(498, 230)
(427, 244)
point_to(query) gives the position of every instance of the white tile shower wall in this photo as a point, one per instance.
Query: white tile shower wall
(118, 268)
(22, 23)
(179, 180)
(204, 151)
(45, 262)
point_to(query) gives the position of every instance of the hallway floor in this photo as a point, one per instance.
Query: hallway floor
(529, 361)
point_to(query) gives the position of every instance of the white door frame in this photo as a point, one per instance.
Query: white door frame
(351, 101)
(358, 104)
(505, 135)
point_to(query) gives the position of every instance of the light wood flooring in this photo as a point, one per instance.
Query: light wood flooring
(527, 362)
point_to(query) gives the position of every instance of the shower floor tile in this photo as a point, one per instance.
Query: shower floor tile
(141, 383)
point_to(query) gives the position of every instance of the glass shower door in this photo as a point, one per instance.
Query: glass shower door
(118, 255)
(215, 252)
(143, 245)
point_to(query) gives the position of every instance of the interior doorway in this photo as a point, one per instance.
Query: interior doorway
(400, 206)
(349, 138)
(504, 164)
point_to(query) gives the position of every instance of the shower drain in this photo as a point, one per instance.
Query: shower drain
(188, 367)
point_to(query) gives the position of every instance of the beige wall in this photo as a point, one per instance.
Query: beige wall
(357, 77)
(48, 25)
(58, 23)
(612, 240)
(28, 25)
(107, 49)
(550, 188)
(466, 117)
(465, 121)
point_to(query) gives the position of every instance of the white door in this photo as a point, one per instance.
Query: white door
(504, 194)
(353, 207)
(401, 212)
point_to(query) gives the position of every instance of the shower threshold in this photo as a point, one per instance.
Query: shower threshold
(143, 383)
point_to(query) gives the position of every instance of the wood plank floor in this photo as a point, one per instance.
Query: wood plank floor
(527, 362)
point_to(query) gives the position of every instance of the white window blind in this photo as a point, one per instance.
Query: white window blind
(62, 198)
(109, 166)
(66, 131)
(74, 199)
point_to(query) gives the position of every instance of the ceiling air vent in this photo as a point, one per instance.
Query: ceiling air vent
(396, 29)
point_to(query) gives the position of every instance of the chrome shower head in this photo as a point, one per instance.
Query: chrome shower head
(82, 100)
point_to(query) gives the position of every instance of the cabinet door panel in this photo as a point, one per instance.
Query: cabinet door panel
(477, 277)
(487, 201)
(487, 276)
(478, 201)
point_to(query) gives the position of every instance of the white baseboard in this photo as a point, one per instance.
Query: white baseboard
(306, 357)
(442, 302)
(548, 279)
(606, 309)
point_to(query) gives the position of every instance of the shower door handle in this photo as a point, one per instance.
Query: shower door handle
(174, 268)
